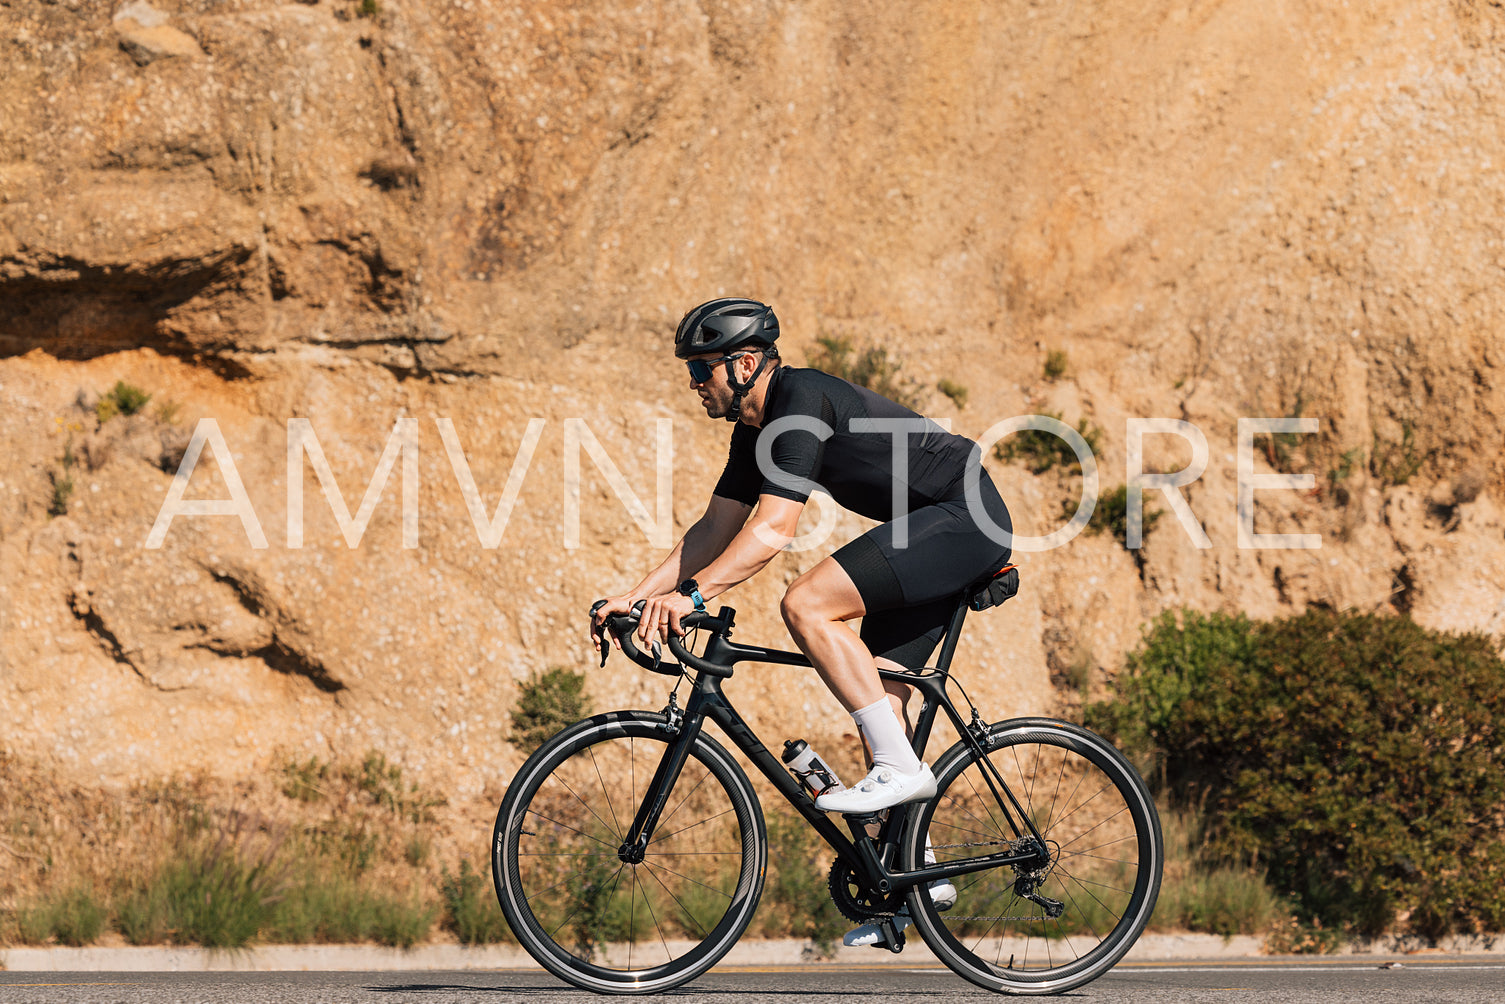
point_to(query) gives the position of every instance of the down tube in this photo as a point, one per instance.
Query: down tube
(718, 710)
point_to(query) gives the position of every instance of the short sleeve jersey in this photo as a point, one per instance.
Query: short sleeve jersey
(823, 449)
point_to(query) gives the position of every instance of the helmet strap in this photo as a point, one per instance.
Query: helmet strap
(734, 412)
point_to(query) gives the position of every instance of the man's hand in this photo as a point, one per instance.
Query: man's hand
(661, 615)
(611, 605)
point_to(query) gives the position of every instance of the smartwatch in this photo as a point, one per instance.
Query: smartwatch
(691, 588)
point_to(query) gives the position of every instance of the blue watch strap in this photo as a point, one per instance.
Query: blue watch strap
(699, 601)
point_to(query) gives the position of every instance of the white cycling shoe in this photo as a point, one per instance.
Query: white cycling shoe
(942, 893)
(882, 788)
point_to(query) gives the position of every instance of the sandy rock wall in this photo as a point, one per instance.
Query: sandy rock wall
(493, 213)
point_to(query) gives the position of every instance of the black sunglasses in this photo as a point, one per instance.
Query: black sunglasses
(701, 369)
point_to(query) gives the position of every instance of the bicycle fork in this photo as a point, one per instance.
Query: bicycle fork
(686, 724)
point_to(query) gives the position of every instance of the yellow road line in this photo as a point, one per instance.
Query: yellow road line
(108, 983)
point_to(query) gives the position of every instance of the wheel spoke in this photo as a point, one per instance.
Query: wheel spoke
(1103, 864)
(563, 886)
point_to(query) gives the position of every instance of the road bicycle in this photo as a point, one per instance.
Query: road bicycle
(630, 849)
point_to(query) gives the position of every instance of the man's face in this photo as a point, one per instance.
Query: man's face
(715, 393)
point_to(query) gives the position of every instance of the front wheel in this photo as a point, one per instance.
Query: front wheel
(598, 918)
(1068, 920)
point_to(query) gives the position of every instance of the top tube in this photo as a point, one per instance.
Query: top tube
(721, 654)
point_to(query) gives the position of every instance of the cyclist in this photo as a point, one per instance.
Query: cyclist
(801, 429)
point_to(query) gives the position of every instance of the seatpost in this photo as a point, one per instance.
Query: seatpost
(953, 632)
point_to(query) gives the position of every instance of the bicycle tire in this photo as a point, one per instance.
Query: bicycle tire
(607, 925)
(1099, 822)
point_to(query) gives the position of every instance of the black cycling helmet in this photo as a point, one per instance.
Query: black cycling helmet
(725, 324)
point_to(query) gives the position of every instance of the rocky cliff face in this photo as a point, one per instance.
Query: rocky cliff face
(353, 212)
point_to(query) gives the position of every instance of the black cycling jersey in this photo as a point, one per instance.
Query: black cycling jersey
(914, 577)
(855, 466)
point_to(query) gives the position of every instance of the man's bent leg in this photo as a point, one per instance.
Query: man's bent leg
(816, 609)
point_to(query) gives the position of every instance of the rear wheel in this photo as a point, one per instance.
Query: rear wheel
(596, 918)
(1064, 923)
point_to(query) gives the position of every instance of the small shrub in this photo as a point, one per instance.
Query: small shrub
(167, 412)
(141, 914)
(305, 781)
(122, 399)
(1396, 463)
(332, 907)
(1111, 515)
(1358, 760)
(1280, 447)
(1041, 450)
(1209, 898)
(368, 8)
(222, 895)
(1055, 364)
(869, 367)
(62, 480)
(547, 703)
(470, 909)
(62, 491)
(955, 391)
(796, 899)
(381, 781)
(74, 917)
(34, 924)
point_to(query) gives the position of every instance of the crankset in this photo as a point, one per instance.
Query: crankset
(854, 899)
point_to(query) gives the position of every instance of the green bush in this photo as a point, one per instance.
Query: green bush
(869, 367)
(122, 399)
(1111, 515)
(1358, 760)
(333, 907)
(470, 909)
(218, 898)
(1041, 450)
(1055, 364)
(796, 898)
(547, 703)
(141, 914)
(955, 391)
(74, 917)
(305, 781)
(1396, 463)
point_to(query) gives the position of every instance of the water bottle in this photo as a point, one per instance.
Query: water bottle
(806, 765)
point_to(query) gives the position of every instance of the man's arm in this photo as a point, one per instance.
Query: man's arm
(699, 547)
(753, 546)
(706, 539)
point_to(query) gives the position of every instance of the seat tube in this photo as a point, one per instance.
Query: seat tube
(667, 773)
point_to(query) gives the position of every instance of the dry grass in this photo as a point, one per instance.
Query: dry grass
(276, 859)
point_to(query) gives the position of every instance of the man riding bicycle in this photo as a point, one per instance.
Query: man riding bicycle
(801, 429)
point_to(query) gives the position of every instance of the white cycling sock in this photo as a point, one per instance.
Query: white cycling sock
(885, 737)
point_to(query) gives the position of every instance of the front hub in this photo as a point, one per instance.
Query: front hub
(632, 854)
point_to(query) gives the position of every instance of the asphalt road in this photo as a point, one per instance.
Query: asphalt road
(1442, 979)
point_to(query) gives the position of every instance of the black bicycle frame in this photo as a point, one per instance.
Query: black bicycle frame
(706, 701)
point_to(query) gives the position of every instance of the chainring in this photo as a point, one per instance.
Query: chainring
(854, 900)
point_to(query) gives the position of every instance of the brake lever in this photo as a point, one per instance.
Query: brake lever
(605, 635)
